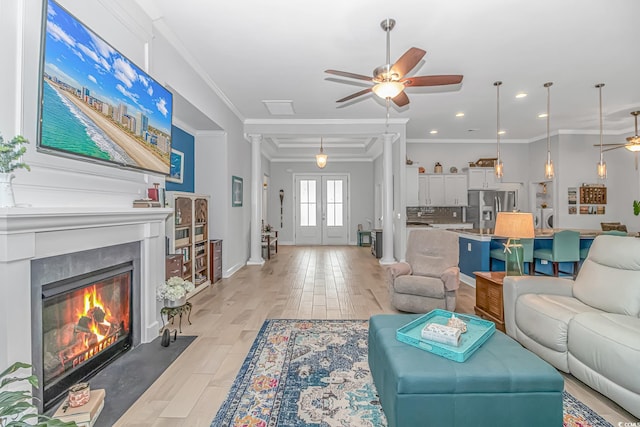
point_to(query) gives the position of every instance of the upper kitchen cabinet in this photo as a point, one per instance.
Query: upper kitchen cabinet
(412, 186)
(482, 179)
(435, 190)
(455, 190)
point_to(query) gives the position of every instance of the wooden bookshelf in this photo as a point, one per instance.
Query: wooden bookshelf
(188, 233)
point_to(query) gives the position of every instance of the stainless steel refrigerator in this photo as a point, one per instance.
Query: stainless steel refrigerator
(485, 204)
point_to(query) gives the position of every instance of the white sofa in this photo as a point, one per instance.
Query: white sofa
(589, 327)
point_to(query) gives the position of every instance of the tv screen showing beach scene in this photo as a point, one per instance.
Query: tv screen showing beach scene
(97, 104)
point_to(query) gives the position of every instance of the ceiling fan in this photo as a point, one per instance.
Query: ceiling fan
(389, 80)
(633, 142)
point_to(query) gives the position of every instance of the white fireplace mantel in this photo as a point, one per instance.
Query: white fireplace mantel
(39, 232)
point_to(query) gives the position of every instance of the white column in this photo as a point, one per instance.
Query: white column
(387, 215)
(256, 202)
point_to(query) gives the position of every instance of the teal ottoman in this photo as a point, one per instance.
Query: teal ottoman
(501, 384)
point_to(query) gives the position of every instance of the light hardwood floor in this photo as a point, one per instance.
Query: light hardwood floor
(319, 282)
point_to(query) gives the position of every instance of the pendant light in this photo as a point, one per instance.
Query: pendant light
(321, 158)
(498, 167)
(548, 166)
(601, 166)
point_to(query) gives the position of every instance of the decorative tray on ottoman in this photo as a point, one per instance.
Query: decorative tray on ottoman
(478, 331)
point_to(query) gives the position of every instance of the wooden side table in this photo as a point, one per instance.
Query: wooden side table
(489, 301)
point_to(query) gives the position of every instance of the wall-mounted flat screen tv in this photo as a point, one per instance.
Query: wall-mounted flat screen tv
(96, 104)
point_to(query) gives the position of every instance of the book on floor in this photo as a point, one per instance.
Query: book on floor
(85, 415)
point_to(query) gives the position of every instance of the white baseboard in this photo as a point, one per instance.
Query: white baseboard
(468, 280)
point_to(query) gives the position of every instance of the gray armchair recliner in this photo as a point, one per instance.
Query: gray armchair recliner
(430, 277)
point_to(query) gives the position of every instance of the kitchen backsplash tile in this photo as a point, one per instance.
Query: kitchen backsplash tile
(435, 215)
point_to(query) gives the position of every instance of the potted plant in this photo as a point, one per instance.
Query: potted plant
(174, 291)
(10, 159)
(16, 406)
(636, 207)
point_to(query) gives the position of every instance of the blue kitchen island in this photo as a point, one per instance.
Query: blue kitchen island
(476, 244)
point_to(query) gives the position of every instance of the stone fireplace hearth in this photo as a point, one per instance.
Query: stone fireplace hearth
(30, 236)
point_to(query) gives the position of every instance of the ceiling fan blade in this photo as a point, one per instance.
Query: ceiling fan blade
(610, 145)
(450, 79)
(355, 95)
(401, 99)
(407, 61)
(349, 75)
(612, 148)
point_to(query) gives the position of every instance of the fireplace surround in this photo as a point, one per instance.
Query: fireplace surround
(32, 238)
(82, 314)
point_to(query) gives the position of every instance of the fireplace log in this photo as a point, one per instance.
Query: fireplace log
(97, 314)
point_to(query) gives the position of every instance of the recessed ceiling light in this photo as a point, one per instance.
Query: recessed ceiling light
(542, 115)
(433, 131)
(461, 114)
(502, 132)
(521, 95)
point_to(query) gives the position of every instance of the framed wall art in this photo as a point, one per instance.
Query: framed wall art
(176, 172)
(236, 191)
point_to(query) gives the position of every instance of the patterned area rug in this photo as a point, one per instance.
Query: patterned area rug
(315, 373)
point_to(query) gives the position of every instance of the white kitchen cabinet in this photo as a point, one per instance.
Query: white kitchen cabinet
(423, 190)
(455, 190)
(482, 179)
(412, 186)
(435, 190)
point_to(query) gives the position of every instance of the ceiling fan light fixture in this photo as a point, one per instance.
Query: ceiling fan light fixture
(388, 89)
(321, 158)
(634, 141)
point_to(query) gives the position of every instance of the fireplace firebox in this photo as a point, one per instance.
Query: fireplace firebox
(86, 323)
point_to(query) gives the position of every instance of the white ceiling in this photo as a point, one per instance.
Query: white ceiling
(256, 51)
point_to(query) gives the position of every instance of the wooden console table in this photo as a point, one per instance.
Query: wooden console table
(489, 301)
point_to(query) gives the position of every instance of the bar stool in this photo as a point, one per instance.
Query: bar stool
(585, 251)
(565, 248)
(527, 246)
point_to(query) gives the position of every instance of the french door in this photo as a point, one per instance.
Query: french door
(321, 210)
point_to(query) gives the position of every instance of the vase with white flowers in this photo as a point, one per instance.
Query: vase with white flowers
(174, 291)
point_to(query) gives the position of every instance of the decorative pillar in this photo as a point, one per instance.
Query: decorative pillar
(256, 202)
(387, 215)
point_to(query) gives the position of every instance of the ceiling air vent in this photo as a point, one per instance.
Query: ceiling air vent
(280, 108)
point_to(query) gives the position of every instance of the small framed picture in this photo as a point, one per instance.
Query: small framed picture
(236, 191)
(176, 171)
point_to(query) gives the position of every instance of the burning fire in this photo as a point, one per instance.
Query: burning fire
(94, 317)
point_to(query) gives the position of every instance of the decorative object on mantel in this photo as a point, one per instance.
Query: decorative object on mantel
(409, 161)
(10, 159)
(454, 169)
(421, 169)
(437, 168)
(174, 291)
(146, 203)
(16, 406)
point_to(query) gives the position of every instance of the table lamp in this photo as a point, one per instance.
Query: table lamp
(514, 226)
